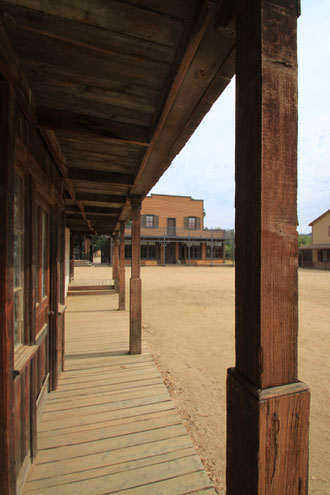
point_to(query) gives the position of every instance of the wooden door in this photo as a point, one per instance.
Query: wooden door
(171, 226)
(42, 300)
(170, 253)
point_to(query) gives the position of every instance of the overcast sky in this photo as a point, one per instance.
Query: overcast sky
(205, 167)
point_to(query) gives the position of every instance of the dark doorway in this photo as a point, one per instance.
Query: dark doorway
(170, 254)
(171, 226)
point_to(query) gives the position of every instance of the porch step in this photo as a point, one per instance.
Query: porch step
(90, 291)
(82, 263)
(88, 287)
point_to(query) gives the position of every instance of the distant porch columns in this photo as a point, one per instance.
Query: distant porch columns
(122, 267)
(135, 343)
(115, 260)
(267, 407)
(71, 275)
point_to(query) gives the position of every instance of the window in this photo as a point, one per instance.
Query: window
(196, 252)
(148, 250)
(128, 251)
(42, 249)
(217, 250)
(149, 221)
(192, 223)
(18, 261)
(323, 255)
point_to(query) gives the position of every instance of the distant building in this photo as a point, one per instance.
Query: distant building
(172, 232)
(317, 254)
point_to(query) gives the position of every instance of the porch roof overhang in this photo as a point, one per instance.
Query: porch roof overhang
(325, 245)
(116, 89)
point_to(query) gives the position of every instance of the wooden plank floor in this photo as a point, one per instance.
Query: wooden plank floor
(85, 283)
(111, 426)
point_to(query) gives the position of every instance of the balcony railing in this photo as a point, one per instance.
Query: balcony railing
(179, 233)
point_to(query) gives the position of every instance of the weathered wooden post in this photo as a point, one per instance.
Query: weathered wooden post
(267, 407)
(115, 262)
(122, 267)
(135, 343)
(71, 276)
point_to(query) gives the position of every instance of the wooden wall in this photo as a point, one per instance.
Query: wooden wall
(177, 207)
(30, 369)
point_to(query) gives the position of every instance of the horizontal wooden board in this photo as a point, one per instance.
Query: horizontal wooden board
(103, 471)
(111, 425)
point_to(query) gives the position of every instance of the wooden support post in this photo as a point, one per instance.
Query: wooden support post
(71, 277)
(267, 408)
(122, 267)
(30, 297)
(223, 252)
(7, 135)
(115, 262)
(135, 343)
(54, 273)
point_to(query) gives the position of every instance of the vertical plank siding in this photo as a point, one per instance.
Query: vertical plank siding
(7, 400)
(24, 374)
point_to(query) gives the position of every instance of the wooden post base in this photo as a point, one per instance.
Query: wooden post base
(122, 288)
(267, 438)
(135, 344)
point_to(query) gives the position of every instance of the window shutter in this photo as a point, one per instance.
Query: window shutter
(186, 222)
(156, 221)
(198, 223)
(143, 221)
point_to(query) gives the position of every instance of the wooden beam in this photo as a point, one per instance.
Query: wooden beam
(71, 123)
(206, 13)
(82, 174)
(115, 260)
(267, 435)
(122, 267)
(135, 342)
(101, 198)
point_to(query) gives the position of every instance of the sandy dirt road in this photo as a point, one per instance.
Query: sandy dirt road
(188, 315)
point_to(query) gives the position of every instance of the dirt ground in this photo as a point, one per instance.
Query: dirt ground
(188, 324)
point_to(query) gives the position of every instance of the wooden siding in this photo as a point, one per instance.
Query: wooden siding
(321, 230)
(111, 425)
(177, 207)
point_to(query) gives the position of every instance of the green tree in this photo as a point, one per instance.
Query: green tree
(99, 241)
(304, 239)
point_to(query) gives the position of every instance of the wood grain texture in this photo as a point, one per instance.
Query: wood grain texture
(120, 430)
(267, 442)
(266, 192)
(122, 284)
(7, 456)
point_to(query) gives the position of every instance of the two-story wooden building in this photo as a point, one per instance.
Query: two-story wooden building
(172, 232)
(317, 254)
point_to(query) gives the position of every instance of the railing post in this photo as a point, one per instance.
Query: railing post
(211, 247)
(135, 343)
(122, 267)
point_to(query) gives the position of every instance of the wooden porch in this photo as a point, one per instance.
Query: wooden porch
(111, 425)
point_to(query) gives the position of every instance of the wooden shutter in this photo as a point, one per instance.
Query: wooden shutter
(186, 222)
(143, 221)
(198, 223)
(156, 221)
